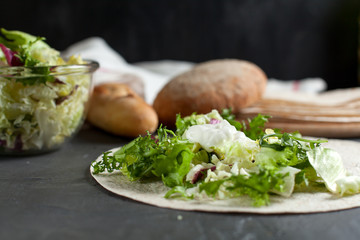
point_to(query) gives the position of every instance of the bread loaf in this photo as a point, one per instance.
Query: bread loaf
(117, 109)
(217, 84)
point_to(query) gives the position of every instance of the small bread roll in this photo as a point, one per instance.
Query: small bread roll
(216, 84)
(117, 109)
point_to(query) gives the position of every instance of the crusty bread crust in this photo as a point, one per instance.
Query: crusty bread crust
(216, 84)
(117, 109)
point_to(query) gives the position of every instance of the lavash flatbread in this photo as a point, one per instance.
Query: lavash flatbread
(152, 192)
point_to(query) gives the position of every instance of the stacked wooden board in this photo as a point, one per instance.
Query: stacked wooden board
(332, 114)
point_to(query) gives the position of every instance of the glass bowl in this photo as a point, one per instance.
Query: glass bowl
(42, 107)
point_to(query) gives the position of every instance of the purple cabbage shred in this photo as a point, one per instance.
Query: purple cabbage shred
(214, 121)
(10, 56)
(200, 174)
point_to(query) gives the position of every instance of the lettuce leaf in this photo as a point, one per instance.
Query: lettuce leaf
(174, 166)
(328, 164)
(288, 150)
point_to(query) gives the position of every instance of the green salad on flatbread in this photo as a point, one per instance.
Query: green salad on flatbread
(213, 156)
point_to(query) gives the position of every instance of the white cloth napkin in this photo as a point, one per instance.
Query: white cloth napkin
(113, 66)
(156, 74)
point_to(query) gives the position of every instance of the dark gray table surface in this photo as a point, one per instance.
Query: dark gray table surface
(53, 196)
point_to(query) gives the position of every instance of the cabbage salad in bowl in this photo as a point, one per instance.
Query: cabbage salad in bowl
(214, 157)
(43, 98)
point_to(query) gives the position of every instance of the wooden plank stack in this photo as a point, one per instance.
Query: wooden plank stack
(332, 114)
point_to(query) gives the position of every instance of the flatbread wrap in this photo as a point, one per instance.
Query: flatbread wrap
(333, 167)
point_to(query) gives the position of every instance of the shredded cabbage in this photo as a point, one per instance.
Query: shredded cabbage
(39, 112)
(31, 112)
(223, 139)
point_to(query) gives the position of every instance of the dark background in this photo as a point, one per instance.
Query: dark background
(289, 39)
